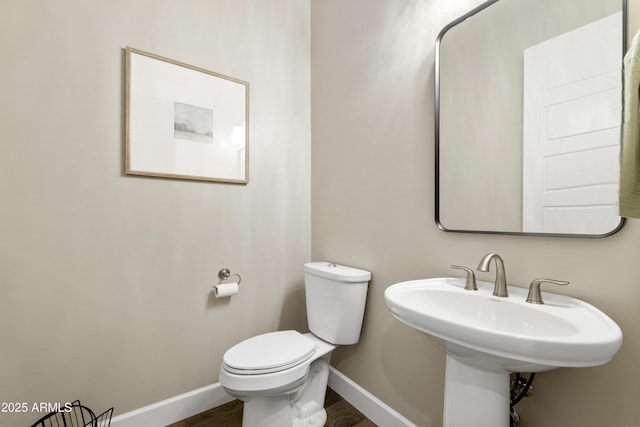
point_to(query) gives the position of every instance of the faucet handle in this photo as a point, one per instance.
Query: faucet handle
(535, 297)
(471, 278)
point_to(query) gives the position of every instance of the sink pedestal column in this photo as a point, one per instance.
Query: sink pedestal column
(475, 397)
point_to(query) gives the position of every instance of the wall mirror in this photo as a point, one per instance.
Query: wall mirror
(528, 114)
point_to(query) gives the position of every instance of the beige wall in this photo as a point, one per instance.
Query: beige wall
(105, 279)
(372, 205)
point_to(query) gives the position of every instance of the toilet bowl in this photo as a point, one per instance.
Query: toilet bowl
(282, 376)
(287, 387)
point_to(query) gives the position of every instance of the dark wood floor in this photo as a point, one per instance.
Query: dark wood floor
(339, 414)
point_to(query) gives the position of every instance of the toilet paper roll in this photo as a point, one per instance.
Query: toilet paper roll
(223, 290)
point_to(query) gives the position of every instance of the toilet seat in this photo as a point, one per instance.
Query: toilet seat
(292, 371)
(268, 353)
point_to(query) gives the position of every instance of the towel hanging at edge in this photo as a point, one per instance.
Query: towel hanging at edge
(630, 147)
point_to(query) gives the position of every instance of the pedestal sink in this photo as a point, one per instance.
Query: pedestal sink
(487, 337)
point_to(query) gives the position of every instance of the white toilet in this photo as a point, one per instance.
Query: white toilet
(282, 376)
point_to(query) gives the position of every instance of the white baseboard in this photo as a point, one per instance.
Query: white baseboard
(191, 403)
(175, 408)
(373, 408)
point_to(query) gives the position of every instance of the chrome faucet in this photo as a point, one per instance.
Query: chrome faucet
(500, 289)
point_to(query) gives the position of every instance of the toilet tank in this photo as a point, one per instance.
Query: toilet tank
(336, 297)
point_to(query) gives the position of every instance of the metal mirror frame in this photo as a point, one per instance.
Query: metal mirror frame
(437, 95)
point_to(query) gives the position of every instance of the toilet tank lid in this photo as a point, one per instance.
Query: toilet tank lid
(337, 272)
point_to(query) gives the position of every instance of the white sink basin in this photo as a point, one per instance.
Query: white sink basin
(488, 337)
(521, 337)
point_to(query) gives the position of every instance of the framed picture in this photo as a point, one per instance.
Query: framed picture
(185, 122)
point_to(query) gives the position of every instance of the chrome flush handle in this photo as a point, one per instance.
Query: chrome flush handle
(471, 278)
(535, 297)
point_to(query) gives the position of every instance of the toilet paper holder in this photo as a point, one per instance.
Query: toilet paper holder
(225, 274)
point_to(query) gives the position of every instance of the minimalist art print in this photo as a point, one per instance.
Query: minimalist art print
(185, 122)
(192, 123)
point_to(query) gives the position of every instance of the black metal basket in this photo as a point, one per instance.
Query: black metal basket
(75, 415)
